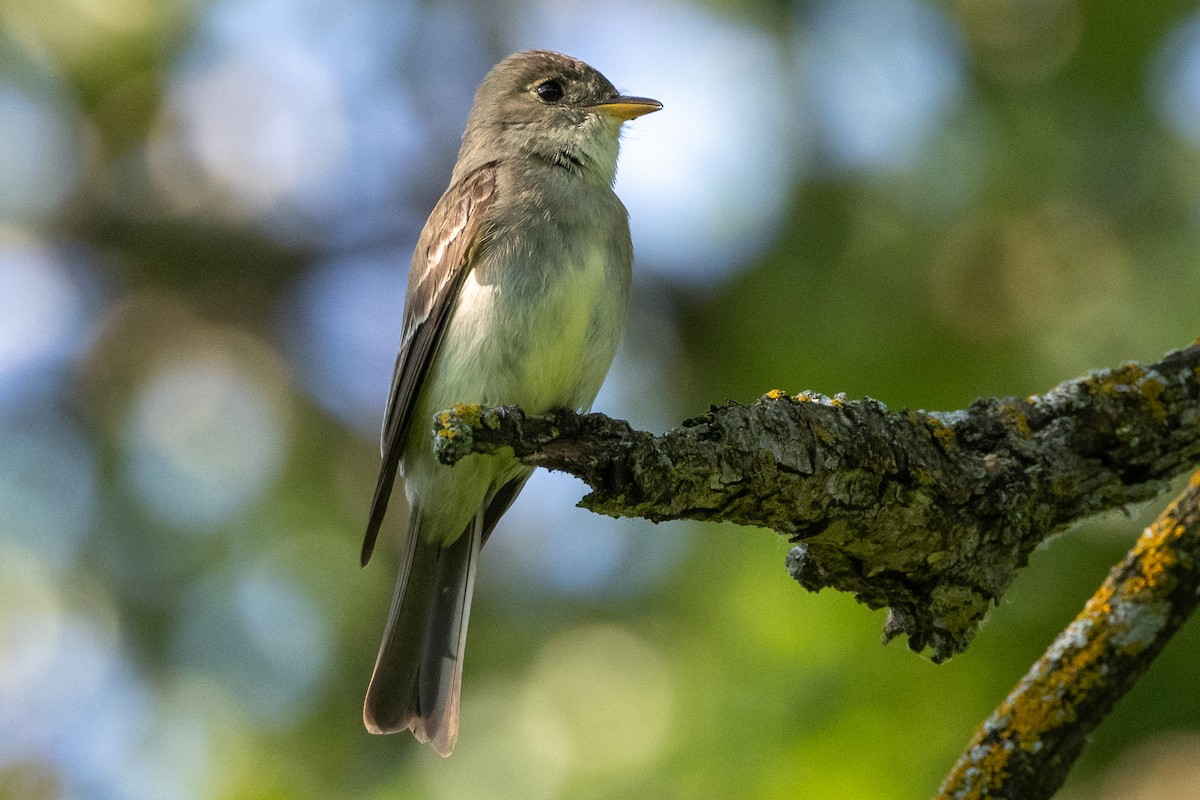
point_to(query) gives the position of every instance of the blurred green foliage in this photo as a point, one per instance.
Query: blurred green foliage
(1049, 226)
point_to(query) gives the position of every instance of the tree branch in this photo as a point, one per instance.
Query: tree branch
(929, 514)
(1026, 747)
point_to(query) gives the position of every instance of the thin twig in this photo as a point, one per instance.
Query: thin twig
(1026, 747)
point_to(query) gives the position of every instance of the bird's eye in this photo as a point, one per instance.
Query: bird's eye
(550, 91)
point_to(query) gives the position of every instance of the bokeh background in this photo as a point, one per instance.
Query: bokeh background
(207, 209)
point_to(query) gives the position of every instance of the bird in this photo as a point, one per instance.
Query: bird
(517, 295)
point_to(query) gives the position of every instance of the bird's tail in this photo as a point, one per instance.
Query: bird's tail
(418, 672)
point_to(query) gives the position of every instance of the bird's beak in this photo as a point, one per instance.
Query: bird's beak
(626, 108)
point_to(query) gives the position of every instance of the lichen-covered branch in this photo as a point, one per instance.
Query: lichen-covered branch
(928, 514)
(1025, 748)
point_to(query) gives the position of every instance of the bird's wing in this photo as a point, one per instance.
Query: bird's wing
(443, 257)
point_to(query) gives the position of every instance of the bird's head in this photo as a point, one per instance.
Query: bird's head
(553, 108)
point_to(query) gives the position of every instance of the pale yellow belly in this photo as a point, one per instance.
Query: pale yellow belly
(552, 352)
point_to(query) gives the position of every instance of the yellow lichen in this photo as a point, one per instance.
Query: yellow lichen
(1081, 670)
(990, 761)
(1099, 603)
(775, 394)
(1155, 559)
(1155, 564)
(1016, 419)
(1152, 391)
(446, 429)
(468, 413)
(940, 431)
(1117, 381)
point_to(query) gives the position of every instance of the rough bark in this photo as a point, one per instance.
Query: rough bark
(927, 513)
(1024, 750)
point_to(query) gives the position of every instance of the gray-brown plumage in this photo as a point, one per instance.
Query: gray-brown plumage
(516, 295)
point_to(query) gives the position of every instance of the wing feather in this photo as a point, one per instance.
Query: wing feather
(443, 257)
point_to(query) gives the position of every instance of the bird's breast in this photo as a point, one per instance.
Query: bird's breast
(537, 329)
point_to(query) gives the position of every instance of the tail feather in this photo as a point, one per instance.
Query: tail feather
(439, 682)
(418, 672)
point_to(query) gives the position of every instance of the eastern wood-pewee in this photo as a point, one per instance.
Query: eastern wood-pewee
(516, 295)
